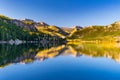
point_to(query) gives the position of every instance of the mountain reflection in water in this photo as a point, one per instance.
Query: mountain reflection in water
(27, 53)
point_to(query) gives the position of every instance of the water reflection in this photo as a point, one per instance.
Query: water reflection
(108, 50)
(23, 53)
(27, 53)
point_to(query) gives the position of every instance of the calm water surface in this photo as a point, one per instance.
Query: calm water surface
(83, 61)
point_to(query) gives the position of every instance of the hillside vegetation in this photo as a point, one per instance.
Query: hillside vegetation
(101, 33)
(11, 29)
(52, 30)
(30, 30)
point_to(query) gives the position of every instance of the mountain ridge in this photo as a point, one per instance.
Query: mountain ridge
(26, 30)
(96, 32)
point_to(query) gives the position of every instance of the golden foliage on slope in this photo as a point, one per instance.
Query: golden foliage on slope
(52, 30)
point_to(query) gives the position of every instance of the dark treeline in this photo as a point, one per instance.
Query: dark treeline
(17, 53)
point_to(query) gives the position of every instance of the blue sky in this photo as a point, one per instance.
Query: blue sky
(64, 13)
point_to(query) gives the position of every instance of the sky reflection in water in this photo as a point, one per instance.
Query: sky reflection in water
(72, 61)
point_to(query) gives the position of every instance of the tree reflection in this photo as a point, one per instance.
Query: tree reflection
(27, 53)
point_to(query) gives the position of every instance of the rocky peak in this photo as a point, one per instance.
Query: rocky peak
(77, 27)
(42, 24)
(28, 20)
(115, 25)
(117, 22)
(24, 24)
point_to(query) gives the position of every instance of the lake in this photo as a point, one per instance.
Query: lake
(72, 61)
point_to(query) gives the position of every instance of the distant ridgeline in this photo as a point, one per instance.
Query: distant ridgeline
(98, 33)
(28, 30)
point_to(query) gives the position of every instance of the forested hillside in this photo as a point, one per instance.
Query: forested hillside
(12, 29)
